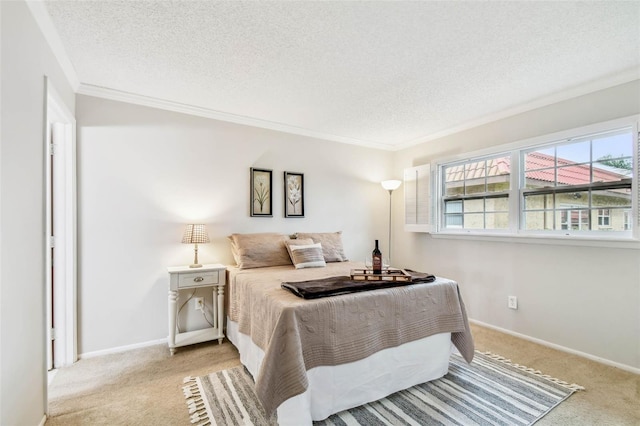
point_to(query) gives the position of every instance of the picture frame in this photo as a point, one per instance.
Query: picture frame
(293, 194)
(260, 196)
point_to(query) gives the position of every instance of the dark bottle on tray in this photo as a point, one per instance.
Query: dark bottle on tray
(376, 258)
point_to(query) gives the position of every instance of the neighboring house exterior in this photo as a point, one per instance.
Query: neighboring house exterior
(558, 194)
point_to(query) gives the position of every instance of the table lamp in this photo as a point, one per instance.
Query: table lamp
(195, 234)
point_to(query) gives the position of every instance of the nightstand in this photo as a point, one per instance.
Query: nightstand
(185, 278)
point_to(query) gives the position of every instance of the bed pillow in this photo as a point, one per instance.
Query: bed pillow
(332, 249)
(307, 256)
(296, 242)
(259, 250)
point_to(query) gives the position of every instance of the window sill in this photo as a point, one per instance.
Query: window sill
(559, 240)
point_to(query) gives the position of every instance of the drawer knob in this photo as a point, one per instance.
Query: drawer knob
(198, 279)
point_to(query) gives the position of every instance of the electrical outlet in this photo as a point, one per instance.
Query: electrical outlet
(199, 303)
(512, 302)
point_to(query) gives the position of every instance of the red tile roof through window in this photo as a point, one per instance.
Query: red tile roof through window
(569, 173)
(539, 166)
(493, 167)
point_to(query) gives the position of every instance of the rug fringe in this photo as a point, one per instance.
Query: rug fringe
(571, 386)
(195, 402)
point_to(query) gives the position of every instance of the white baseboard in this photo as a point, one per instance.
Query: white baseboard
(122, 348)
(42, 422)
(480, 323)
(560, 348)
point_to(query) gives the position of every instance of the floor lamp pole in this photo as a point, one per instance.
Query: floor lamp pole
(390, 185)
(390, 193)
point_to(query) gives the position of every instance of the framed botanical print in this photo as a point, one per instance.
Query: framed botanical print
(260, 199)
(293, 194)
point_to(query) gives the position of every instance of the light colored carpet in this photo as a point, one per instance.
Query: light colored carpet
(144, 386)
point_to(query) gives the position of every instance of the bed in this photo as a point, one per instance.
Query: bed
(313, 358)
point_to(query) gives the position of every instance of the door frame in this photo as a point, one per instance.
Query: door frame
(62, 303)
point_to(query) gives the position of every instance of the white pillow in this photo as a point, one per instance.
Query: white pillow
(307, 256)
(296, 242)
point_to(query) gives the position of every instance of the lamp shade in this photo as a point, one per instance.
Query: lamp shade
(195, 234)
(391, 185)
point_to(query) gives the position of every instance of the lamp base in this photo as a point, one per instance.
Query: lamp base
(195, 263)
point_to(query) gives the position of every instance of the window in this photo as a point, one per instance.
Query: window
(476, 194)
(576, 220)
(453, 214)
(604, 217)
(627, 220)
(579, 185)
(585, 183)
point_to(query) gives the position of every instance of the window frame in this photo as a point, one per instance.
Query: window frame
(627, 218)
(516, 194)
(604, 215)
(485, 195)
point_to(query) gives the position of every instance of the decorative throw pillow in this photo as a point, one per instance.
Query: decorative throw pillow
(307, 256)
(297, 242)
(332, 249)
(259, 250)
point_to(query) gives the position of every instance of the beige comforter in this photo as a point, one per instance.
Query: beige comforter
(297, 334)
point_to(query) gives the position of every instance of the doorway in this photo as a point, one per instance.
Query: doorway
(61, 225)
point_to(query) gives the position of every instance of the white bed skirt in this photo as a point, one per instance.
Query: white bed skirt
(336, 388)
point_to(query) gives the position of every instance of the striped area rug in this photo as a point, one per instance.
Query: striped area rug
(490, 391)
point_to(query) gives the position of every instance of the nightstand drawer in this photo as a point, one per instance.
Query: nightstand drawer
(195, 279)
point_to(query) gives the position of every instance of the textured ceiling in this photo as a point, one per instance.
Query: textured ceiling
(383, 74)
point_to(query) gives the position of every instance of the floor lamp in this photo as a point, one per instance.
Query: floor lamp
(390, 185)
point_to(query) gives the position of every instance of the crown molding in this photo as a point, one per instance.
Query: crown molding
(594, 86)
(117, 95)
(43, 20)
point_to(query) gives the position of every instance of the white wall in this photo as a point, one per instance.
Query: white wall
(585, 299)
(144, 173)
(26, 59)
